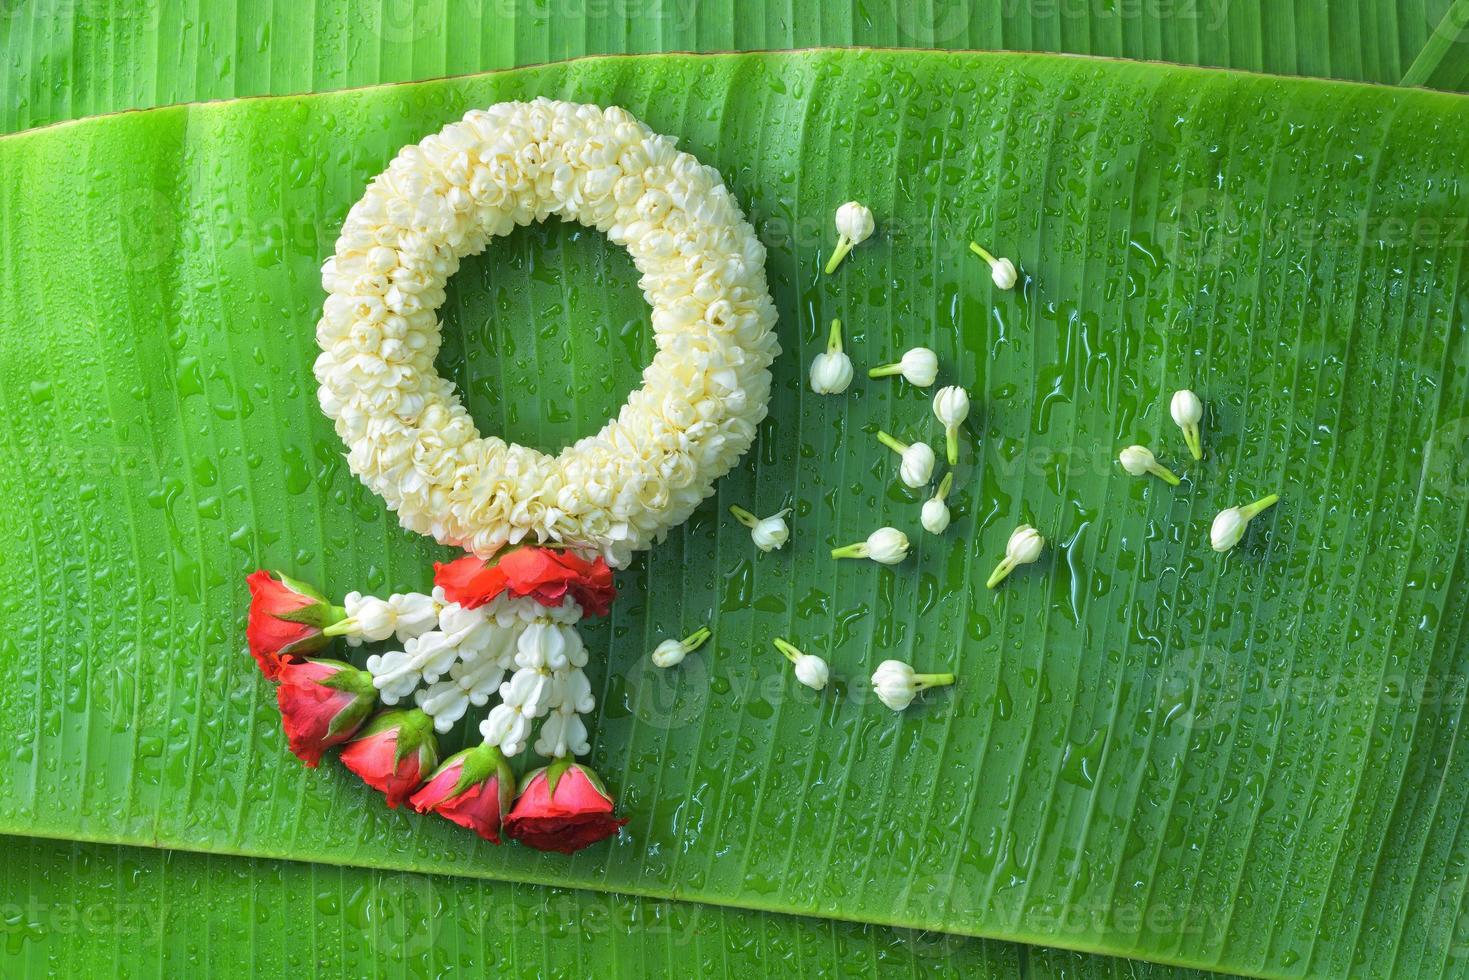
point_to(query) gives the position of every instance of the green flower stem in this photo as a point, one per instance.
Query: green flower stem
(858, 550)
(342, 625)
(743, 516)
(945, 485)
(844, 245)
(1164, 473)
(974, 247)
(834, 339)
(1003, 569)
(891, 443)
(1249, 511)
(695, 639)
(922, 682)
(885, 370)
(1195, 443)
(790, 652)
(951, 444)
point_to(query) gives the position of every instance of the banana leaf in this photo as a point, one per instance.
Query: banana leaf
(92, 910)
(73, 58)
(77, 909)
(1244, 762)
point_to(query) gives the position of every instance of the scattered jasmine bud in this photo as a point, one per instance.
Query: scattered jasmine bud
(670, 653)
(811, 671)
(935, 519)
(831, 373)
(769, 533)
(896, 684)
(1140, 461)
(951, 405)
(919, 367)
(1188, 412)
(1025, 546)
(918, 459)
(1002, 271)
(1229, 525)
(854, 226)
(886, 546)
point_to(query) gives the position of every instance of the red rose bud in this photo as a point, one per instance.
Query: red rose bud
(547, 575)
(286, 620)
(323, 703)
(563, 807)
(473, 788)
(394, 753)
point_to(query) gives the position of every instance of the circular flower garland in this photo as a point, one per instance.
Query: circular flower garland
(500, 622)
(706, 390)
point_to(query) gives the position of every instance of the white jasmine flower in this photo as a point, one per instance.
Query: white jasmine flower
(811, 671)
(412, 441)
(935, 517)
(670, 653)
(1140, 461)
(886, 546)
(919, 367)
(372, 620)
(562, 734)
(951, 406)
(1025, 546)
(423, 659)
(769, 533)
(831, 373)
(507, 728)
(1002, 271)
(854, 226)
(468, 683)
(917, 460)
(1230, 524)
(896, 684)
(1188, 412)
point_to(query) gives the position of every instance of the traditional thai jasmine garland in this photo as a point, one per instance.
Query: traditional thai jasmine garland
(498, 630)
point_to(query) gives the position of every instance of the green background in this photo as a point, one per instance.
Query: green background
(84, 58)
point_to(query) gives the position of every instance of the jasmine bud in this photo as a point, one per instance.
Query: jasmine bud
(1140, 461)
(1025, 546)
(1002, 271)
